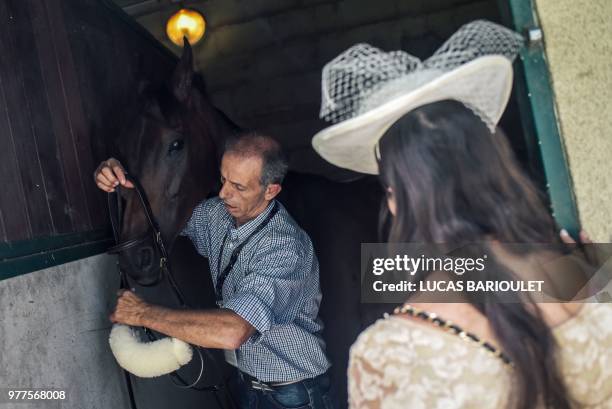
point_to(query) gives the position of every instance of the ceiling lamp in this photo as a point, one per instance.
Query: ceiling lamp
(186, 23)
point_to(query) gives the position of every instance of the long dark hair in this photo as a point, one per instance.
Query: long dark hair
(454, 181)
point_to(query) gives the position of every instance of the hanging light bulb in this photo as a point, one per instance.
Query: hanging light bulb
(186, 23)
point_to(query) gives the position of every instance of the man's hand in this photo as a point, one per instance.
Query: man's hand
(110, 174)
(130, 309)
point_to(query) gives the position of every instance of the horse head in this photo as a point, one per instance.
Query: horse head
(172, 144)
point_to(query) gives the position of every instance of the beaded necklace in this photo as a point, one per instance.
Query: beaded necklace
(452, 328)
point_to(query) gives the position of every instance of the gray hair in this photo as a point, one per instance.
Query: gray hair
(274, 167)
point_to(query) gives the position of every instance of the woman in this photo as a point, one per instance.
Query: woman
(452, 178)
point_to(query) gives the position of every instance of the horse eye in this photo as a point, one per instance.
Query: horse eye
(176, 146)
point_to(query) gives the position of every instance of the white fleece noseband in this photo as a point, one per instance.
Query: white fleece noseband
(147, 359)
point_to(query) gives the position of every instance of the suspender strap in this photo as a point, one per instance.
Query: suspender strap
(234, 257)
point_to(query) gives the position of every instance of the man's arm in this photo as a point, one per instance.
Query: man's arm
(272, 292)
(221, 328)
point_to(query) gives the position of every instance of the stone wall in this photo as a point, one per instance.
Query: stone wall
(578, 42)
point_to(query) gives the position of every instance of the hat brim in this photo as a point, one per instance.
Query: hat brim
(351, 144)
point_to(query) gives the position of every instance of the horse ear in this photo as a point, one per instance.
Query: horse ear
(183, 74)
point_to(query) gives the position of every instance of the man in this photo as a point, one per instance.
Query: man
(266, 276)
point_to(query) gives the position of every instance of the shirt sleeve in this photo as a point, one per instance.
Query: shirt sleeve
(272, 291)
(196, 227)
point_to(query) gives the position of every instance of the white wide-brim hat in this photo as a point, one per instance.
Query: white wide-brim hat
(368, 90)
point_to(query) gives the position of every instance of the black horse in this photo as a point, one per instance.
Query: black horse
(172, 142)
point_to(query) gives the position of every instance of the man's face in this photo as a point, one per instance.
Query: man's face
(242, 193)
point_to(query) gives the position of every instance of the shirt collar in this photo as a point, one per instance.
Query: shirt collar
(238, 233)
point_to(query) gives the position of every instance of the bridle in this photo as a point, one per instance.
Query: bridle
(115, 208)
(153, 234)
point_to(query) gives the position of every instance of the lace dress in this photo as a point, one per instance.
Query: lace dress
(398, 363)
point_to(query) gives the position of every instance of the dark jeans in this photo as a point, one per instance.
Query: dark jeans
(311, 393)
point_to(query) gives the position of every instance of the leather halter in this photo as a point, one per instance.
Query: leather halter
(153, 233)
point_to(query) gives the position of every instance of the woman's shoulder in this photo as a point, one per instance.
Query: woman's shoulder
(585, 353)
(594, 315)
(405, 359)
(408, 364)
(412, 338)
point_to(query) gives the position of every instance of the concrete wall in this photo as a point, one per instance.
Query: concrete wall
(54, 334)
(578, 41)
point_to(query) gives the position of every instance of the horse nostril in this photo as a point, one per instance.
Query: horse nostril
(145, 257)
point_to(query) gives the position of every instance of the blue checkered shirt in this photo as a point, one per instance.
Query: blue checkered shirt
(274, 285)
